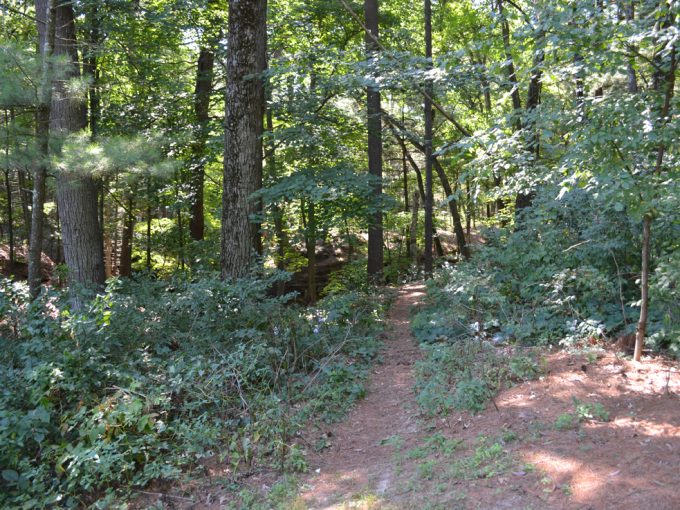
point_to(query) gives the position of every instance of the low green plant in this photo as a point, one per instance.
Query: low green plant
(565, 421)
(96, 401)
(583, 411)
(586, 411)
(524, 368)
(472, 394)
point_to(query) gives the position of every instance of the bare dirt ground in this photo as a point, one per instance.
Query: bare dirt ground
(529, 450)
(358, 464)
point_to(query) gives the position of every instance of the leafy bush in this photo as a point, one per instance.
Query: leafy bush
(151, 376)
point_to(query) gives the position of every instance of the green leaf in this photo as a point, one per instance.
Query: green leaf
(10, 475)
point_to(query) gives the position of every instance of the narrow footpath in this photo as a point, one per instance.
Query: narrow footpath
(358, 465)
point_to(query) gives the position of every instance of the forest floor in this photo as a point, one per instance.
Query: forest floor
(595, 431)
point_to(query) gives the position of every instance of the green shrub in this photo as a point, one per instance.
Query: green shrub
(152, 376)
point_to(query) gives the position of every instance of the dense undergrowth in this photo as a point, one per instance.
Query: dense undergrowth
(151, 377)
(566, 275)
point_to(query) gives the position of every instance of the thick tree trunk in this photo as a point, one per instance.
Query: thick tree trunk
(427, 142)
(373, 108)
(204, 80)
(243, 132)
(525, 199)
(76, 193)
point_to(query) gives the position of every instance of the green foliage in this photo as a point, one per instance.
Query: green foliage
(564, 421)
(488, 459)
(583, 411)
(102, 399)
(471, 394)
(590, 411)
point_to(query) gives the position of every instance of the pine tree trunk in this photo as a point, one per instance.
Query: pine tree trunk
(77, 193)
(373, 108)
(427, 143)
(243, 132)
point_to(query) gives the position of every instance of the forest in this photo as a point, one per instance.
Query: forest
(315, 254)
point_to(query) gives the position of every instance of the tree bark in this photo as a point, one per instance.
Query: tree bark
(76, 192)
(373, 109)
(10, 219)
(525, 199)
(427, 142)
(45, 16)
(647, 220)
(453, 208)
(204, 80)
(413, 232)
(510, 74)
(243, 132)
(446, 185)
(125, 266)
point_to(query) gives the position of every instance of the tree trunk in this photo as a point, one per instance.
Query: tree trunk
(45, 16)
(246, 62)
(10, 219)
(125, 267)
(413, 233)
(148, 228)
(204, 79)
(373, 108)
(525, 199)
(453, 203)
(427, 142)
(310, 247)
(404, 168)
(510, 74)
(25, 195)
(647, 220)
(453, 208)
(644, 288)
(76, 192)
(632, 76)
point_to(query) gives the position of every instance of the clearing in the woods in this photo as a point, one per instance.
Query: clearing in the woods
(592, 432)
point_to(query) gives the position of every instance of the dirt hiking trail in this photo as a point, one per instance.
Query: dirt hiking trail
(523, 452)
(358, 465)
